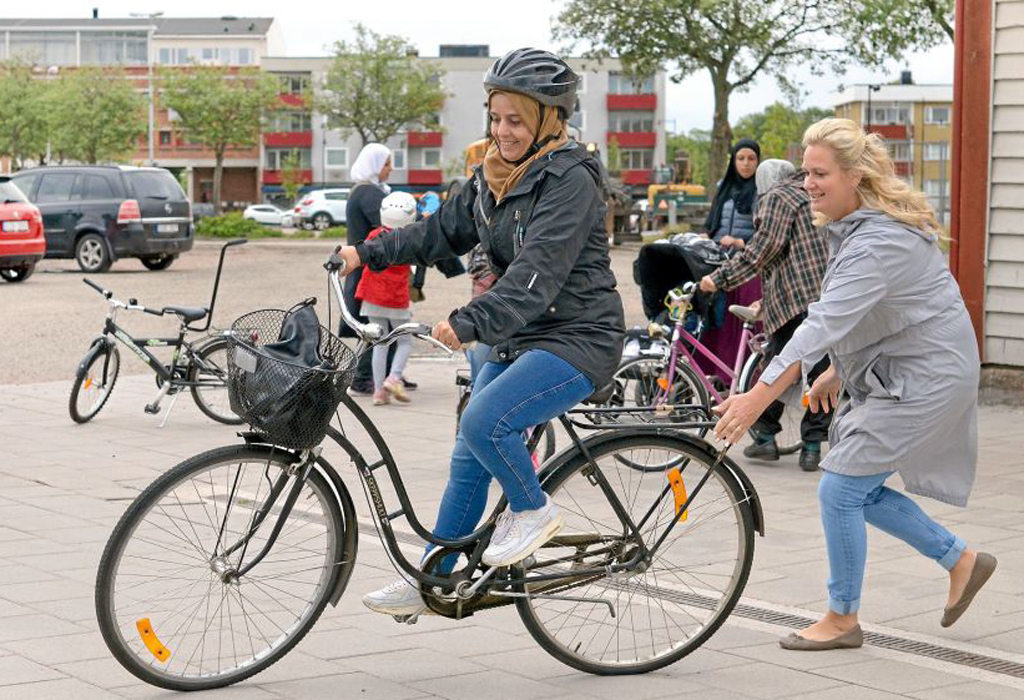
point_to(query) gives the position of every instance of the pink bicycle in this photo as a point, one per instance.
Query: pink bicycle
(667, 375)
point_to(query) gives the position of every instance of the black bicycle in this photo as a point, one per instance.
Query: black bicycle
(225, 562)
(199, 365)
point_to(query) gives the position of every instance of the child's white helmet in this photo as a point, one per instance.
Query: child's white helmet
(397, 210)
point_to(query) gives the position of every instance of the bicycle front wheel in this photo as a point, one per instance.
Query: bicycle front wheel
(644, 382)
(208, 372)
(166, 609)
(92, 388)
(666, 608)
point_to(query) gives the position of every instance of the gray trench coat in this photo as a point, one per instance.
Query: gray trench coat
(893, 323)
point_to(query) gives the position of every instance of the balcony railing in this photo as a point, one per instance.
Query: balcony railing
(634, 139)
(645, 102)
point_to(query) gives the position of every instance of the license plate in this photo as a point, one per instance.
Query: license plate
(15, 227)
(167, 228)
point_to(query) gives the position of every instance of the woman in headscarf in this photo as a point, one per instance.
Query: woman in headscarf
(369, 172)
(553, 317)
(730, 223)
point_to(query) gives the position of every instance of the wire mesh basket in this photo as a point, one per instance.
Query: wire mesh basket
(288, 402)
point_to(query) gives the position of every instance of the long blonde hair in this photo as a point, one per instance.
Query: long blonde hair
(866, 155)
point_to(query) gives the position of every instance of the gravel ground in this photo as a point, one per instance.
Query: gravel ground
(49, 320)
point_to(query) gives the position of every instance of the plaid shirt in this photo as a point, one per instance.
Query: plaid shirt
(788, 252)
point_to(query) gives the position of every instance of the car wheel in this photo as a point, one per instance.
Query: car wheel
(158, 262)
(322, 221)
(18, 274)
(306, 225)
(92, 253)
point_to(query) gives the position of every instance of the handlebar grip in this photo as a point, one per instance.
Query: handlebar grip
(335, 261)
(98, 288)
(424, 329)
(153, 311)
(239, 241)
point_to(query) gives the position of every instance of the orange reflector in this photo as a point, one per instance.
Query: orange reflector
(679, 490)
(149, 639)
(663, 383)
(805, 400)
(88, 383)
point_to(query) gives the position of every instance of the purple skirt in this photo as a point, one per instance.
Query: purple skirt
(724, 342)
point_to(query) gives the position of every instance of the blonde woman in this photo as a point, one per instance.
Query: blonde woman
(902, 346)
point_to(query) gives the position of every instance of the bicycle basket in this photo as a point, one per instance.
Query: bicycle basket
(289, 398)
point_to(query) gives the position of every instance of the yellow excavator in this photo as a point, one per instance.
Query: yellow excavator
(675, 194)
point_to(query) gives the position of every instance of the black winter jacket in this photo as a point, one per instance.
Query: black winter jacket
(547, 242)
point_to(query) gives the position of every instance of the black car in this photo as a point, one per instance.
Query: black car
(98, 213)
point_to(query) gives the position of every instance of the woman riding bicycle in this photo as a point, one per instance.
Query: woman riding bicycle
(554, 317)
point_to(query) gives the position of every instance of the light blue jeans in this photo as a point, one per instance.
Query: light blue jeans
(847, 503)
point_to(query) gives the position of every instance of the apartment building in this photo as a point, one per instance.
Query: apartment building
(916, 122)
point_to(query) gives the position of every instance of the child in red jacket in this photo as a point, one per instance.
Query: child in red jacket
(385, 301)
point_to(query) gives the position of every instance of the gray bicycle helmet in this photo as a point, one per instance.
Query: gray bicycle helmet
(537, 74)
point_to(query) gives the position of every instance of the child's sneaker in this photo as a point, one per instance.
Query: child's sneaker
(393, 386)
(381, 398)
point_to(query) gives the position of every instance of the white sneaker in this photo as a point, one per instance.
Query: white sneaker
(518, 535)
(397, 598)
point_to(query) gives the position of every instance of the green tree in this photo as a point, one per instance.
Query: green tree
(219, 108)
(738, 42)
(614, 156)
(293, 177)
(696, 143)
(96, 115)
(377, 87)
(23, 130)
(778, 127)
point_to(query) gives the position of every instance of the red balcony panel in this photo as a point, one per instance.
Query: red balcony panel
(293, 100)
(902, 168)
(889, 131)
(425, 177)
(297, 139)
(424, 139)
(647, 102)
(634, 139)
(637, 177)
(273, 177)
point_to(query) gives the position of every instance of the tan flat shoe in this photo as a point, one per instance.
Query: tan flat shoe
(984, 565)
(854, 639)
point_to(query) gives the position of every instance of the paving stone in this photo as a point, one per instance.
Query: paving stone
(68, 648)
(767, 681)
(35, 626)
(974, 690)
(891, 675)
(471, 686)
(15, 670)
(57, 690)
(337, 687)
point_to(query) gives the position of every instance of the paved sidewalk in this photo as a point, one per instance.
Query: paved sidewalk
(62, 487)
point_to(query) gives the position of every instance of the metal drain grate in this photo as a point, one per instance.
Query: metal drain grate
(772, 617)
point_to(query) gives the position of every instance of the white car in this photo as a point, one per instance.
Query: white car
(269, 215)
(322, 209)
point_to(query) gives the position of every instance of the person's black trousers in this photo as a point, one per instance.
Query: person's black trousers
(813, 426)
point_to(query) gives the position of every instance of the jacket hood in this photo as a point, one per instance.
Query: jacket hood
(865, 220)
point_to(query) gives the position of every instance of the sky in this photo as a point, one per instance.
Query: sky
(310, 29)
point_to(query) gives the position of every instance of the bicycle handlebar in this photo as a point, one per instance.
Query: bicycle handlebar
(98, 288)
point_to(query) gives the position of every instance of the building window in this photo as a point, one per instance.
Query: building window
(636, 159)
(890, 115)
(936, 115)
(210, 55)
(936, 151)
(244, 57)
(902, 151)
(623, 84)
(937, 192)
(398, 158)
(337, 158)
(431, 157)
(294, 84)
(165, 138)
(290, 121)
(114, 48)
(274, 158)
(44, 48)
(631, 122)
(582, 87)
(174, 57)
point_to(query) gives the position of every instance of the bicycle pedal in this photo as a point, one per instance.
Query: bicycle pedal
(151, 409)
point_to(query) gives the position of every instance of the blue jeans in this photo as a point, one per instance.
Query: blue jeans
(508, 398)
(847, 502)
(477, 356)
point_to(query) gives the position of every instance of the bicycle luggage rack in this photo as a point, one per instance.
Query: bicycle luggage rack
(668, 417)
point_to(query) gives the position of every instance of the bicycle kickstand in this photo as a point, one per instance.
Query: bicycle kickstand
(170, 408)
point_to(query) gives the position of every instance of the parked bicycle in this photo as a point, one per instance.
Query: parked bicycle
(225, 562)
(669, 374)
(199, 365)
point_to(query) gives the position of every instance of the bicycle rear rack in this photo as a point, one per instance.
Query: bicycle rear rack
(667, 416)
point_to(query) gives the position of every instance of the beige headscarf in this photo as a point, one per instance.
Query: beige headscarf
(502, 175)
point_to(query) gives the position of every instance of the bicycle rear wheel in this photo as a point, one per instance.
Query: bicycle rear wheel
(163, 605)
(92, 389)
(666, 610)
(210, 370)
(788, 440)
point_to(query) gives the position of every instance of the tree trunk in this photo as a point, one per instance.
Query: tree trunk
(218, 173)
(721, 132)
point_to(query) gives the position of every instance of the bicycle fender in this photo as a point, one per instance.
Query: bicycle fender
(98, 344)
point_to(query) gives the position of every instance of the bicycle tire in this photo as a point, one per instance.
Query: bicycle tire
(789, 440)
(122, 629)
(636, 384)
(581, 510)
(93, 377)
(217, 369)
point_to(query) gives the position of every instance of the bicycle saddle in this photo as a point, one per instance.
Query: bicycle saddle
(744, 313)
(602, 395)
(187, 313)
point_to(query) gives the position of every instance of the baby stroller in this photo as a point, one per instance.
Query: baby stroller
(667, 264)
